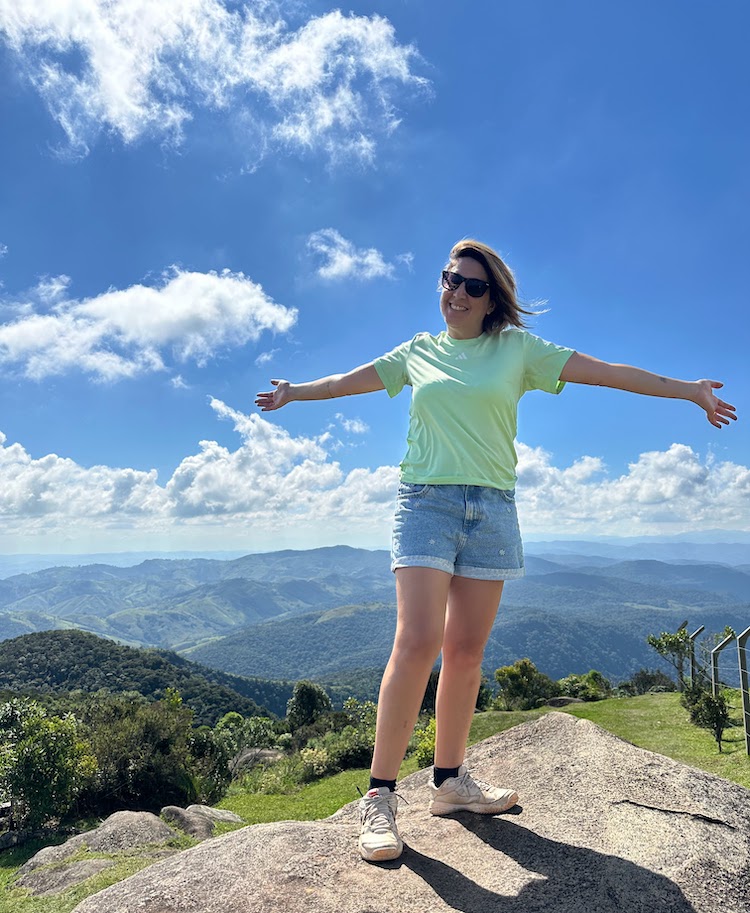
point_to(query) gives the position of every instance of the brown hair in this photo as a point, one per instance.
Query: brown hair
(507, 311)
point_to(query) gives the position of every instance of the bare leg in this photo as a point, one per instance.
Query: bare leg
(472, 607)
(422, 595)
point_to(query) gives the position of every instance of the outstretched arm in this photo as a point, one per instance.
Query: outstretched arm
(364, 379)
(583, 369)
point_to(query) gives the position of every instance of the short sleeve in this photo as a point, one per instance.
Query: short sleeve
(543, 364)
(392, 368)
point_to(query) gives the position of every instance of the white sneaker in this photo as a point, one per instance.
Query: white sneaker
(378, 835)
(465, 794)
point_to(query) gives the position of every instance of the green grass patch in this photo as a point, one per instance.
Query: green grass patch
(660, 723)
(19, 900)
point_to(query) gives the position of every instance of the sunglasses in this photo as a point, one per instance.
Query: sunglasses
(475, 288)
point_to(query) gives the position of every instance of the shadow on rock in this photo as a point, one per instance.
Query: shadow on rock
(572, 879)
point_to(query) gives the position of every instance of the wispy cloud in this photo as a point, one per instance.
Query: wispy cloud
(138, 68)
(265, 357)
(275, 484)
(124, 333)
(3, 250)
(352, 425)
(342, 260)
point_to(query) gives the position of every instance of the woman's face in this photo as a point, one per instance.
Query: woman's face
(463, 315)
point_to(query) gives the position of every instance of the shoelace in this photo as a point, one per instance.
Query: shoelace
(466, 780)
(378, 811)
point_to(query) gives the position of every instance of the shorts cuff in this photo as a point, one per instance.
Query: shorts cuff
(488, 573)
(439, 564)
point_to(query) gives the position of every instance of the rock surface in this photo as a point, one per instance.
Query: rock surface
(603, 827)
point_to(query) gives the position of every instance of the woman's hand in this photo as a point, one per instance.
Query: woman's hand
(717, 411)
(275, 399)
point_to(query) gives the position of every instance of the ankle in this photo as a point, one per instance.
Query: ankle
(441, 774)
(377, 783)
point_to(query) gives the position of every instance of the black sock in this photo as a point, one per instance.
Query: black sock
(375, 783)
(441, 774)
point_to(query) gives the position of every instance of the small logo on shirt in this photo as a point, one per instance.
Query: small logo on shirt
(461, 356)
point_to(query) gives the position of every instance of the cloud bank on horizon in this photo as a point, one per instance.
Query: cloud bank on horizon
(276, 489)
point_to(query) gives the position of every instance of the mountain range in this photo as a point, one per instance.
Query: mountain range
(330, 612)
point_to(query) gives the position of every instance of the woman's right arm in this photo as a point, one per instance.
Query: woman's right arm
(364, 379)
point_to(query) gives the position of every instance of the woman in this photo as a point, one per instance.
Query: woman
(456, 537)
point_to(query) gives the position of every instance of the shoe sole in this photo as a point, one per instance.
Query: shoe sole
(383, 854)
(445, 808)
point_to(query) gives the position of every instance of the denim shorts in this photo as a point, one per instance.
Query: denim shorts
(466, 530)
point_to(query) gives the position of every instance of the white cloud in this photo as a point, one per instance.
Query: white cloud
(662, 492)
(353, 425)
(277, 490)
(265, 357)
(3, 250)
(142, 68)
(124, 333)
(342, 260)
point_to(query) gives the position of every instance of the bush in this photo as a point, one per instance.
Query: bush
(143, 753)
(592, 686)
(425, 739)
(44, 762)
(523, 687)
(711, 713)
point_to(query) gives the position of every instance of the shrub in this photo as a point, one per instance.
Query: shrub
(425, 739)
(711, 713)
(523, 687)
(592, 686)
(44, 762)
(143, 753)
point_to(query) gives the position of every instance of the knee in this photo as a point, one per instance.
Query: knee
(466, 656)
(416, 650)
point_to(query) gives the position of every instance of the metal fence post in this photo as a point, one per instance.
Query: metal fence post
(742, 656)
(693, 669)
(715, 663)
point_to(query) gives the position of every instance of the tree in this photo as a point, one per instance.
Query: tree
(675, 649)
(44, 762)
(523, 687)
(645, 680)
(307, 703)
(711, 713)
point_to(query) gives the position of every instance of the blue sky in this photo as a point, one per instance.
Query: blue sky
(190, 206)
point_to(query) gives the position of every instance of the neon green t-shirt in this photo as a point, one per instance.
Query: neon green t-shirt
(465, 393)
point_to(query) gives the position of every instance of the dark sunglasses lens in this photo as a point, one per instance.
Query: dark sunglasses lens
(476, 287)
(450, 280)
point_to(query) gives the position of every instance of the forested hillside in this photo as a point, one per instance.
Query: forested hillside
(62, 661)
(560, 639)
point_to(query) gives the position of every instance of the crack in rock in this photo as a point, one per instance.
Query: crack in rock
(676, 811)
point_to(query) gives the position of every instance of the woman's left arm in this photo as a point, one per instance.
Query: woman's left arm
(583, 369)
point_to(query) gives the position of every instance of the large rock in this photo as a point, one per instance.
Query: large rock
(603, 827)
(52, 870)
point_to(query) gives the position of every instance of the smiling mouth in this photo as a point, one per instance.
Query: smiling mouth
(457, 307)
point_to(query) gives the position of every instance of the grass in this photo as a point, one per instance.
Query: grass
(659, 723)
(19, 900)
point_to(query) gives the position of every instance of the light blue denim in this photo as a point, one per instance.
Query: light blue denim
(465, 530)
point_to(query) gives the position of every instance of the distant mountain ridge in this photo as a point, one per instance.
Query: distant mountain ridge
(177, 604)
(329, 612)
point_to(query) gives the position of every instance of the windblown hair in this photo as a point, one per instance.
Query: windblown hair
(507, 310)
